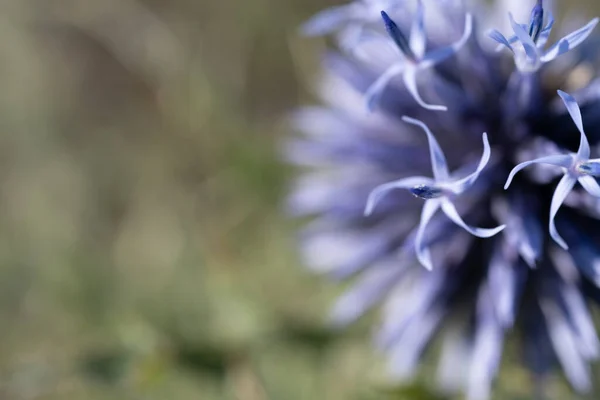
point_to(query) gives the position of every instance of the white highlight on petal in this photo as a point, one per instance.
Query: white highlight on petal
(575, 113)
(590, 185)
(418, 38)
(423, 254)
(562, 190)
(564, 161)
(450, 210)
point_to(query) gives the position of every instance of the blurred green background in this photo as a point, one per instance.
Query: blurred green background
(144, 252)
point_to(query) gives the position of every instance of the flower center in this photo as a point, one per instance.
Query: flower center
(536, 21)
(426, 192)
(591, 168)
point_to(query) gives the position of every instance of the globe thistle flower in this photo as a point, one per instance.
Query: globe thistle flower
(514, 275)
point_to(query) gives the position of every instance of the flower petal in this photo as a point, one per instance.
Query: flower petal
(418, 39)
(463, 184)
(380, 191)
(438, 160)
(376, 89)
(545, 33)
(450, 211)
(560, 194)
(330, 20)
(371, 287)
(565, 346)
(397, 36)
(438, 55)
(569, 42)
(564, 161)
(410, 81)
(584, 147)
(500, 38)
(487, 348)
(526, 41)
(423, 254)
(590, 185)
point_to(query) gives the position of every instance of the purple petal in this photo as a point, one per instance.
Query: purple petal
(423, 254)
(410, 81)
(590, 185)
(565, 346)
(584, 147)
(376, 89)
(450, 210)
(463, 184)
(406, 183)
(545, 33)
(564, 161)
(562, 190)
(438, 160)
(371, 287)
(438, 55)
(569, 42)
(500, 38)
(526, 41)
(487, 349)
(418, 39)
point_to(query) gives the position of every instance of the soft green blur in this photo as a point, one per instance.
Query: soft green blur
(144, 253)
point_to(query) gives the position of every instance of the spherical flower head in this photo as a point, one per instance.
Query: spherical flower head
(457, 186)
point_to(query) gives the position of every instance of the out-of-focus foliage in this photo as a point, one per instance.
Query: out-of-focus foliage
(144, 254)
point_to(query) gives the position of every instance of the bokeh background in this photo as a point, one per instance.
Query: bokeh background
(144, 252)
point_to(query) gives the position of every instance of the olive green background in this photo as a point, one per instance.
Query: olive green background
(144, 253)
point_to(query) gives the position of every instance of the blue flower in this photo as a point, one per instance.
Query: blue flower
(577, 166)
(438, 192)
(528, 42)
(479, 283)
(413, 58)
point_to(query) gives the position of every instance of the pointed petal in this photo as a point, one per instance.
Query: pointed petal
(526, 40)
(329, 20)
(584, 147)
(569, 42)
(587, 339)
(450, 210)
(418, 39)
(438, 160)
(376, 89)
(564, 161)
(590, 185)
(380, 191)
(397, 36)
(371, 287)
(560, 194)
(438, 55)
(463, 184)
(545, 33)
(565, 346)
(500, 38)
(410, 81)
(423, 254)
